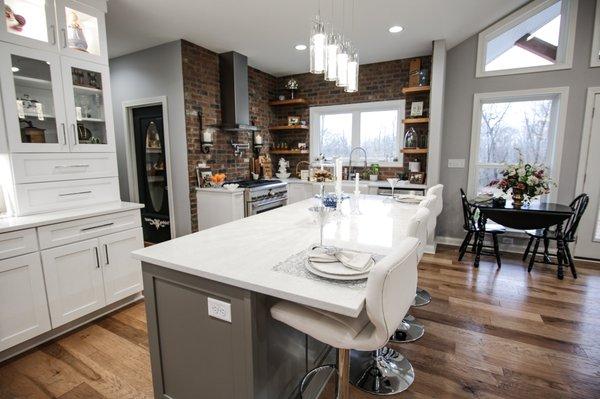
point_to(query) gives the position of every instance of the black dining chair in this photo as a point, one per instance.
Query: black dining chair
(578, 205)
(472, 229)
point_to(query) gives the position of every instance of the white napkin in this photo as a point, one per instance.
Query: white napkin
(352, 260)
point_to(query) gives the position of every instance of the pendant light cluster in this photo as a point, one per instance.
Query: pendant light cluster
(332, 54)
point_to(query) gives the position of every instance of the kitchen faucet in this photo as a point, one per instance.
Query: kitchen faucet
(350, 160)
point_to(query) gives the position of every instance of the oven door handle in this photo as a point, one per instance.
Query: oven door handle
(264, 204)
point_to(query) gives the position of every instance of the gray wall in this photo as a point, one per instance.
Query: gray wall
(461, 85)
(155, 72)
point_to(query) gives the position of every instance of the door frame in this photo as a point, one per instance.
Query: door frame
(127, 109)
(586, 137)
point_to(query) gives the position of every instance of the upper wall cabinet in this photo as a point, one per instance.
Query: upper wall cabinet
(30, 23)
(539, 36)
(33, 100)
(74, 28)
(82, 31)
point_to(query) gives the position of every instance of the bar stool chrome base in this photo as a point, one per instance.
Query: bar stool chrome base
(422, 298)
(381, 372)
(408, 331)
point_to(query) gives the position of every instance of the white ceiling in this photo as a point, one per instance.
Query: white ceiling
(267, 30)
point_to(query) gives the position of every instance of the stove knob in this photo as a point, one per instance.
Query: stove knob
(270, 193)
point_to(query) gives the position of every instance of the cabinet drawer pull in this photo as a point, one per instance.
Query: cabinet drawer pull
(64, 130)
(77, 193)
(53, 32)
(78, 165)
(64, 33)
(106, 253)
(97, 258)
(97, 227)
(75, 140)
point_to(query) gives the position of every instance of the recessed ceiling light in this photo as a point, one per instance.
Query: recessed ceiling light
(15, 69)
(396, 29)
(300, 47)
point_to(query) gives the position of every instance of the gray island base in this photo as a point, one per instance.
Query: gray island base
(197, 356)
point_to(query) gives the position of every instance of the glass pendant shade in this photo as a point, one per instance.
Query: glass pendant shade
(352, 73)
(332, 51)
(318, 47)
(342, 66)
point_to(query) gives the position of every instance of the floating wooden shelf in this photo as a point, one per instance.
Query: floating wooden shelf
(413, 121)
(294, 101)
(417, 89)
(414, 151)
(288, 152)
(286, 127)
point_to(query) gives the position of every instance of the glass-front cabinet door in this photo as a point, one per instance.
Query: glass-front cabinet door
(82, 31)
(33, 100)
(89, 111)
(29, 23)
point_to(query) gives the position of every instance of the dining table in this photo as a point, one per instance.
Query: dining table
(531, 216)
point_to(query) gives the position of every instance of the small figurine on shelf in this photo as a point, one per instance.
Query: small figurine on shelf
(13, 21)
(76, 39)
(292, 86)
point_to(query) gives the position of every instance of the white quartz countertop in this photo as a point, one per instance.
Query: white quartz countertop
(24, 222)
(243, 253)
(378, 183)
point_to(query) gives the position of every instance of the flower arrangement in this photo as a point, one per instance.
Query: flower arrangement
(525, 180)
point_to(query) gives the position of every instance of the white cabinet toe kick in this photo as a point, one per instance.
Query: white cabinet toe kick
(57, 276)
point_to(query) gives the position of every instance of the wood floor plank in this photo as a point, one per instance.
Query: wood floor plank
(489, 334)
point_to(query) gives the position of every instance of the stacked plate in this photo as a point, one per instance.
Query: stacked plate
(409, 198)
(336, 270)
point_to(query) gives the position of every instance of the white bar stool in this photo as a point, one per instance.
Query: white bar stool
(390, 291)
(409, 329)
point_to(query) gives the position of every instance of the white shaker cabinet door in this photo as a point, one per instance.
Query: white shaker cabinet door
(122, 273)
(23, 305)
(73, 280)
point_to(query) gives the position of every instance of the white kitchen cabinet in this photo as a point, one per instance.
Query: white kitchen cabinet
(88, 106)
(18, 242)
(23, 304)
(122, 274)
(82, 30)
(299, 191)
(32, 94)
(218, 206)
(39, 30)
(74, 281)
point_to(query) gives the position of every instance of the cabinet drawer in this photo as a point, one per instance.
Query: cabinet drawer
(37, 168)
(78, 230)
(53, 196)
(18, 243)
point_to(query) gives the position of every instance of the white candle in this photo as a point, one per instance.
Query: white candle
(356, 180)
(338, 177)
(258, 139)
(207, 136)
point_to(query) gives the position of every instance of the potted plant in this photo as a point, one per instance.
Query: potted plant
(524, 180)
(374, 176)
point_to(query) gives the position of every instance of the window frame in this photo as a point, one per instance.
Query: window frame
(558, 123)
(355, 109)
(595, 55)
(567, 44)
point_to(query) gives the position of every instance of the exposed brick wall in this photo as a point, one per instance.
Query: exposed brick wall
(201, 89)
(380, 81)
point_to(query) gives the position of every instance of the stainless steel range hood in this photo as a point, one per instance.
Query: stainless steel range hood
(235, 110)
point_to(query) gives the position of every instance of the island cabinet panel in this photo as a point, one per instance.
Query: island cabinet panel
(194, 355)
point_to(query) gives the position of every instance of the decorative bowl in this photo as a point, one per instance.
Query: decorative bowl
(283, 176)
(231, 186)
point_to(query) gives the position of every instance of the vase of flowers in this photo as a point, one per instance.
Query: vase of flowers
(292, 86)
(524, 180)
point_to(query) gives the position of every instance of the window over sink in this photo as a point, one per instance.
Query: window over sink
(375, 126)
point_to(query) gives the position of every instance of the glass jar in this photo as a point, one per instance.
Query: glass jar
(410, 138)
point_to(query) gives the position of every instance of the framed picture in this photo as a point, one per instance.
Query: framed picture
(203, 175)
(293, 120)
(416, 108)
(417, 177)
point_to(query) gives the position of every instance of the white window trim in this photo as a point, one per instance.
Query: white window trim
(559, 120)
(594, 58)
(516, 18)
(315, 124)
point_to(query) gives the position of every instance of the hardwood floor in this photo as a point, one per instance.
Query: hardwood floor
(489, 334)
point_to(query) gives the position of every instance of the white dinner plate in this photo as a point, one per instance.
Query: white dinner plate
(409, 199)
(334, 270)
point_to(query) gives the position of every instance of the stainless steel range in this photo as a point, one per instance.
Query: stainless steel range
(263, 195)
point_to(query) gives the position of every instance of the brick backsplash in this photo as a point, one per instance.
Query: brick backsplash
(200, 67)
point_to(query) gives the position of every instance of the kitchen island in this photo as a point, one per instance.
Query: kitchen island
(233, 271)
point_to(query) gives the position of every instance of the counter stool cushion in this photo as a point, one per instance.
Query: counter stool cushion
(437, 190)
(418, 227)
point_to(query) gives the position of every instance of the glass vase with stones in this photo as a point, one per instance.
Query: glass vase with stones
(411, 138)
